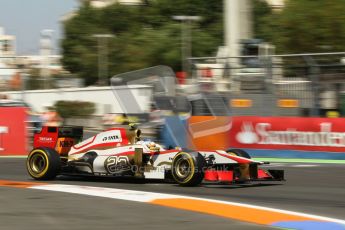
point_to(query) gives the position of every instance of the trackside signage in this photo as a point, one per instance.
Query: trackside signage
(294, 133)
(13, 137)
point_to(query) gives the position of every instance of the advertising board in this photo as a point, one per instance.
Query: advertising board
(293, 133)
(276, 133)
(13, 135)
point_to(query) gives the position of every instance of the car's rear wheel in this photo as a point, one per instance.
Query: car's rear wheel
(188, 168)
(43, 164)
(239, 152)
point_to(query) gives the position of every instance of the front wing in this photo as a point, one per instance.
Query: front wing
(238, 175)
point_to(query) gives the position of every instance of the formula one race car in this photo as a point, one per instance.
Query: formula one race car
(120, 152)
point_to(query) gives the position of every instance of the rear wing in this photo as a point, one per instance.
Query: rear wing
(59, 138)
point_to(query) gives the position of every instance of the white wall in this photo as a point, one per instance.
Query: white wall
(103, 97)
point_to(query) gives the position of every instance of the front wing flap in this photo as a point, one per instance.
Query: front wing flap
(242, 173)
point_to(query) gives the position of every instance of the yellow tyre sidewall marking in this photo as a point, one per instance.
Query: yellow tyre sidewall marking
(190, 160)
(32, 173)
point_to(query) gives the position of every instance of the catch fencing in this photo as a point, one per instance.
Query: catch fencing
(284, 85)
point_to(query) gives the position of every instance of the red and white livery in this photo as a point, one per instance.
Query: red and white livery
(121, 152)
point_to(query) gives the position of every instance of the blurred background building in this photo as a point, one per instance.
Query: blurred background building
(232, 52)
(7, 43)
(7, 60)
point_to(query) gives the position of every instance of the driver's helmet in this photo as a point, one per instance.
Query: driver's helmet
(132, 126)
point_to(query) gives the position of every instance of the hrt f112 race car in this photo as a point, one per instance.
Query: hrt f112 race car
(120, 152)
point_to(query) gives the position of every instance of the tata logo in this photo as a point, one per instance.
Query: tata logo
(111, 138)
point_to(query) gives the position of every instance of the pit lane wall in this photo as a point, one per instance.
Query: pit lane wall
(13, 131)
(279, 137)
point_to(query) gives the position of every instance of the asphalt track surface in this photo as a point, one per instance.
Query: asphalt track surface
(317, 189)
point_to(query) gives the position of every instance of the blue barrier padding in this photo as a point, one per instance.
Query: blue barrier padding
(174, 132)
(309, 225)
(266, 153)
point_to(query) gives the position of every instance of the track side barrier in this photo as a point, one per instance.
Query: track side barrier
(297, 137)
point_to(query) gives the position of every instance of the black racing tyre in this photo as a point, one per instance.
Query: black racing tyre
(239, 152)
(188, 168)
(43, 164)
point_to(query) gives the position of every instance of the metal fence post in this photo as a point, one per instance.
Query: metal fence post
(313, 75)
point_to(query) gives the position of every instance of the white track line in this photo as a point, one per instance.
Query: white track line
(147, 197)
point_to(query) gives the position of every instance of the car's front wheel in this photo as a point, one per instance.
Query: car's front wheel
(188, 168)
